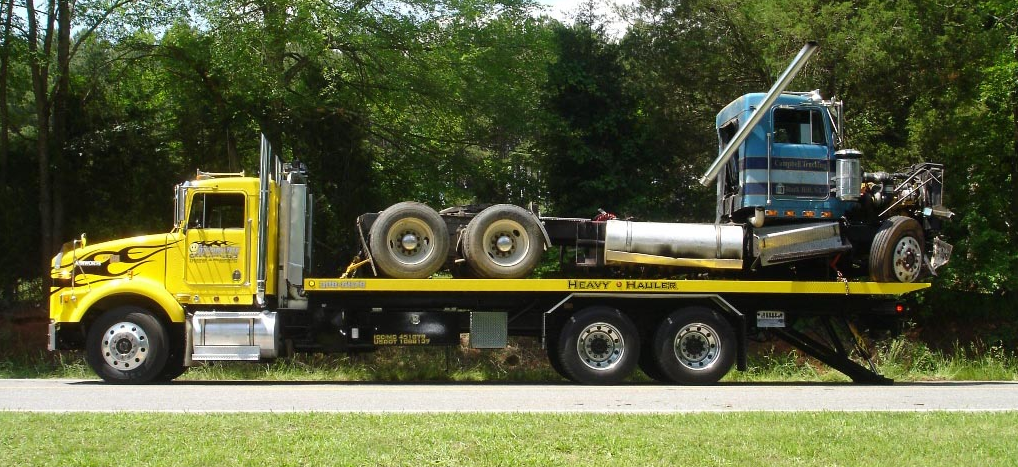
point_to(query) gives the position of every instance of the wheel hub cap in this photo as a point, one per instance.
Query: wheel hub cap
(125, 345)
(409, 241)
(907, 254)
(504, 243)
(600, 346)
(697, 346)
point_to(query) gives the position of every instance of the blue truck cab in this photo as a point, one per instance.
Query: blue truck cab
(788, 164)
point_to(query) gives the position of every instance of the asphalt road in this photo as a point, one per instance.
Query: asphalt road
(93, 396)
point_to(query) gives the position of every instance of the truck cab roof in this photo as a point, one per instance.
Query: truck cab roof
(238, 183)
(745, 104)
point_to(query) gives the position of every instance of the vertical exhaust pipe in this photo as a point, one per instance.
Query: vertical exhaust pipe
(263, 221)
(744, 130)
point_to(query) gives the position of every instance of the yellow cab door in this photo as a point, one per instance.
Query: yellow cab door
(218, 241)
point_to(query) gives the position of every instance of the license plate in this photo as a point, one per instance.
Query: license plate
(770, 319)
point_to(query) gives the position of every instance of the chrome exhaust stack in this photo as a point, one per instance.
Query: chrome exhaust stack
(263, 221)
(744, 130)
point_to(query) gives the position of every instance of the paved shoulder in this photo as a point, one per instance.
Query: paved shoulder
(74, 396)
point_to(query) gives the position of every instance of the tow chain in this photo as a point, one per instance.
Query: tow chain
(841, 277)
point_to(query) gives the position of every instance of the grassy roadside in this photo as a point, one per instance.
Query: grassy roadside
(826, 438)
(22, 355)
(525, 361)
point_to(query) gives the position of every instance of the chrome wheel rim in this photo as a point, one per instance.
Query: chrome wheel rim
(907, 259)
(411, 241)
(601, 346)
(506, 242)
(125, 345)
(697, 346)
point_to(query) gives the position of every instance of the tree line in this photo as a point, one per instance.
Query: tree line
(106, 104)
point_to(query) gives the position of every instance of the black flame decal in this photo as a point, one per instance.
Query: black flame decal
(130, 255)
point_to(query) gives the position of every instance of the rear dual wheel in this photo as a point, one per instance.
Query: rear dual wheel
(600, 345)
(597, 345)
(409, 240)
(694, 345)
(503, 242)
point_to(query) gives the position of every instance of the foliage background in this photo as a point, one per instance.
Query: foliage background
(106, 104)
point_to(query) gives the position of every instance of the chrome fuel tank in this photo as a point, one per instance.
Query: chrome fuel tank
(234, 335)
(674, 244)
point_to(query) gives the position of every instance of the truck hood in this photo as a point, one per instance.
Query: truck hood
(108, 260)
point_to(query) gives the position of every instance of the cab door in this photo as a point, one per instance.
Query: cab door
(218, 241)
(800, 165)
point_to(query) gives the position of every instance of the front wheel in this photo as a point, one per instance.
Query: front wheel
(127, 345)
(897, 251)
(695, 345)
(598, 345)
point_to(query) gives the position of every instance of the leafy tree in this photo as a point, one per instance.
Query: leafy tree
(51, 47)
(594, 143)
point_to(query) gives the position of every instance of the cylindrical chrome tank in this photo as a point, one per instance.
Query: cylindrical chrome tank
(675, 240)
(848, 174)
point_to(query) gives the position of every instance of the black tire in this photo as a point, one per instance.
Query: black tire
(409, 241)
(173, 369)
(695, 345)
(175, 361)
(648, 362)
(503, 242)
(598, 345)
(127, 345)
(897, 251)
(554, 358)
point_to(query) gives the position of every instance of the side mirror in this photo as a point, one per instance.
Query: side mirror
(179, 206)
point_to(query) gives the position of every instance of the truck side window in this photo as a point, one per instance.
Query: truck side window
(217, 211)
(799, 126)
(725, 134)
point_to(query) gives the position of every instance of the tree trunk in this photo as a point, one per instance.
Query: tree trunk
(231, 149)
(1013, 166)
(275, 17)
(59, 129)
(5, 121)
(39, 65)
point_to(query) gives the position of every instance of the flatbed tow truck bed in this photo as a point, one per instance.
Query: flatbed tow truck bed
(539, 307)
(622, 286)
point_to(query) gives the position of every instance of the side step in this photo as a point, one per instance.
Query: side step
(782, 244)
(233, 335)
(250, 353)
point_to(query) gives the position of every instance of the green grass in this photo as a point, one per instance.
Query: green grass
(525, 361)
(22, 355)
(825, 438)
(900, 359)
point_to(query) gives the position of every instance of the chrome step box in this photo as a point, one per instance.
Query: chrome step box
(233, 335)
